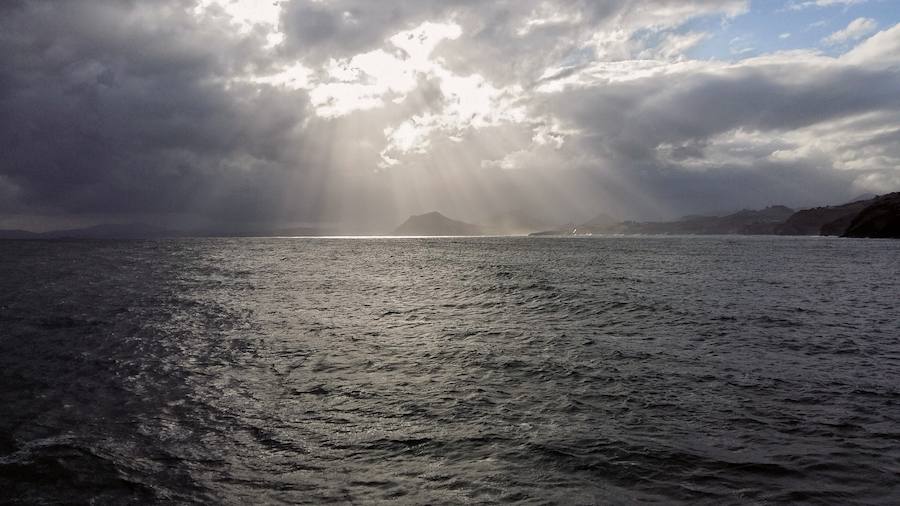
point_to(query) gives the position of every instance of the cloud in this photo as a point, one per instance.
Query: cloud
(857, 29)
(349, 111)
(760, 118)
(504, 40)
(881, 50)
(799, 5)
(113, 107)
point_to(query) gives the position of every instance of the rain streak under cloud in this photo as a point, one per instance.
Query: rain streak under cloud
(355, 114)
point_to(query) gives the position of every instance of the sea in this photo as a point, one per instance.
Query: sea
(582, 370)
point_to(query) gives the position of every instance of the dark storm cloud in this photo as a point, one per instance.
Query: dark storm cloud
(109, 106)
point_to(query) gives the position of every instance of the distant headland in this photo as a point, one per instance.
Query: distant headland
(869, 217)
(877, 217)
(436, 224)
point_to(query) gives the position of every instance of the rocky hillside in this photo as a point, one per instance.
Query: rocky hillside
(828, 220)
(880, 219)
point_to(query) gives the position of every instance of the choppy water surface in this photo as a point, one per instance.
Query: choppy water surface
(603, 370)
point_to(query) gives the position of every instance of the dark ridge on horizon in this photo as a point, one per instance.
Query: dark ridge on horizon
(875, 217)
(436, 224)
(881, 219)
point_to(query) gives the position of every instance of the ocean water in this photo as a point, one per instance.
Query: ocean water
(695, 370)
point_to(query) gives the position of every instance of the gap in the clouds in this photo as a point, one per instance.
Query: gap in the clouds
(372, 79)
(772, 26)
(246, 13)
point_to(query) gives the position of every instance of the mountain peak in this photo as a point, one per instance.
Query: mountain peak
(435, 223)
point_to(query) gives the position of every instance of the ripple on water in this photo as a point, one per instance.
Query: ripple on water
(610, 370)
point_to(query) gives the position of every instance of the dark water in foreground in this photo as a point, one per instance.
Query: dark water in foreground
(575, 371)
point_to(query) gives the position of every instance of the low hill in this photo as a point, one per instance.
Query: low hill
(436, 224)
(600, 224)
(746, 222)
(105, 231)
(827, 220)
(114, 231)
(880, 219)
(18, 234)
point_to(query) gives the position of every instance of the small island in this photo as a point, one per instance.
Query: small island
(436, 224)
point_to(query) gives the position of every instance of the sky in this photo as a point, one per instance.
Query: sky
(354, 114)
